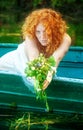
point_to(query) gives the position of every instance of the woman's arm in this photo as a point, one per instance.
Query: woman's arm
(61, 51)
(58, 55)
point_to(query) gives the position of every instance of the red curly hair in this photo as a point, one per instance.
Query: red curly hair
(55, 28)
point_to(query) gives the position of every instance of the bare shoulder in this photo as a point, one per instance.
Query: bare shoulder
(30, 42)
(66, 43)
(31, 49)
(67, 39)
(62, 49)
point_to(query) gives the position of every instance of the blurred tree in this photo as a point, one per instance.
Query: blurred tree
(20, 8)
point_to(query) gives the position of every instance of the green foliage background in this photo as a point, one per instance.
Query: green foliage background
(12, 14)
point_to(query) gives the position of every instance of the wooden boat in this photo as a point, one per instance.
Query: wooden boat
(65, 92)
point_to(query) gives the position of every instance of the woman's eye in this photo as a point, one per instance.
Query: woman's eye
(37, 31)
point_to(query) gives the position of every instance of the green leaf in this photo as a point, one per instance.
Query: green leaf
(51, 61)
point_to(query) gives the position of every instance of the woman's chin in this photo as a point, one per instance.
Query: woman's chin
(44, 44)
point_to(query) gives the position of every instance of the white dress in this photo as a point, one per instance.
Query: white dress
(14, 61)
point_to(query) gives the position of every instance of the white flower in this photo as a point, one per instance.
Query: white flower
(32, 68)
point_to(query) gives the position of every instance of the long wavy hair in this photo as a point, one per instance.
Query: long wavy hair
(55, 28)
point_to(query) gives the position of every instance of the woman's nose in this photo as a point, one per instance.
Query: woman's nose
(43, 35)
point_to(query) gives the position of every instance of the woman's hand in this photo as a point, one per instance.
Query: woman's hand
(48, 79)
(46, 83)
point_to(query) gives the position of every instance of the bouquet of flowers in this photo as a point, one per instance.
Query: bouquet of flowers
(39, 70)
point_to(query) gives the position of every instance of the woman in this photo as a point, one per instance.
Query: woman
(44, 31)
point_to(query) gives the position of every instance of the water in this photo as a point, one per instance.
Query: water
(40, 121)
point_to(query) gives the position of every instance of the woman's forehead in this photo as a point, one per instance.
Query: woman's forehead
(40, 26)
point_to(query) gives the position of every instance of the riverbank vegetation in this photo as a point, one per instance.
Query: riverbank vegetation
(12, 14)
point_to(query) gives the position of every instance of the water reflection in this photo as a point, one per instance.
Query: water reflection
(41, 121)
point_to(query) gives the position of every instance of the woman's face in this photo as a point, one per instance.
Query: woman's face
(41, 34)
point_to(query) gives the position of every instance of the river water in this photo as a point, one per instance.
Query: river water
(41, 121)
